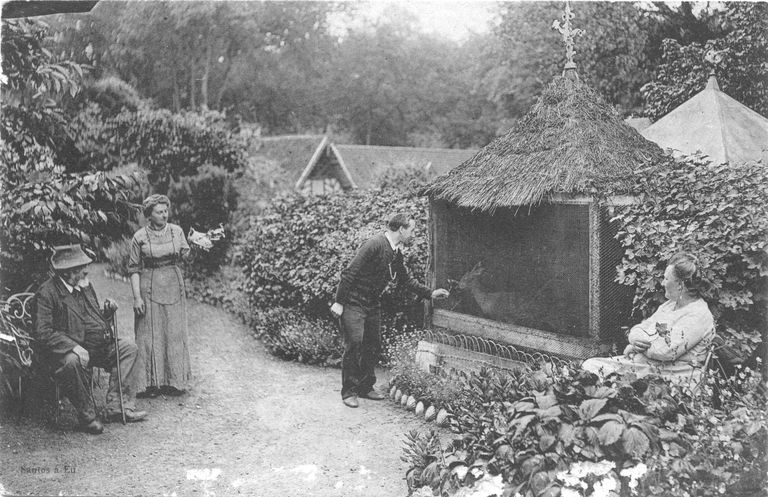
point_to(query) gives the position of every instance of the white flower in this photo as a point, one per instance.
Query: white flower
(484, 487)
(584, 468)
(634, 474)
(568, 479)
(603, 487)
(461, 471)
(425, 491)
(569, 492)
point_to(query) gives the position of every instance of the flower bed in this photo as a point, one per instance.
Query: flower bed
(551, 432)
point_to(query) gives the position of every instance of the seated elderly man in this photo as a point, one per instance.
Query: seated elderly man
(74, 332)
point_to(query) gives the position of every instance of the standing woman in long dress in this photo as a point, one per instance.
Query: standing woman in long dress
(159, 301)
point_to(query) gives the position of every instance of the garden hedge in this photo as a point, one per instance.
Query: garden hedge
(295, 251)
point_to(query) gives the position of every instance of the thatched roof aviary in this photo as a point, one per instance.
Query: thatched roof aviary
(570, 142)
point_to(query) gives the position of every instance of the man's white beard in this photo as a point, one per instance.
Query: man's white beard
(83, 283)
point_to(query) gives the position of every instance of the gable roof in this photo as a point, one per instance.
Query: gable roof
(25, 8)
(291, 152)
(715, 124)
(363, 164)
(570, 142)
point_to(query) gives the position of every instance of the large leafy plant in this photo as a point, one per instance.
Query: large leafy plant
(44, 206)
(562, 432)
(42, 203)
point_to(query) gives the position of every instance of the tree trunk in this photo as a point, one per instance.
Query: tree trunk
(368, 129)
(224, 79)
(176, 92)
(192, 87)
(206, 73)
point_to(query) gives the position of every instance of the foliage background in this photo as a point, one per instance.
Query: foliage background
(44, 203)
(287, 67)
(717, 212)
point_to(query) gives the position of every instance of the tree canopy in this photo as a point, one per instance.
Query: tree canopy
(288, 68)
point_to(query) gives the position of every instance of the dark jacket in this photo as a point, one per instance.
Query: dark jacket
(375, 264)
(59, 324)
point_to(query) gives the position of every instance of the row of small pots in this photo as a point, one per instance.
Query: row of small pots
(440, 417)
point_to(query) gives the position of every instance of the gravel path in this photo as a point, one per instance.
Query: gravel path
(251, 425)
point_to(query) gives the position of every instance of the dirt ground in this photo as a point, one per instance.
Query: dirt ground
(250, 425)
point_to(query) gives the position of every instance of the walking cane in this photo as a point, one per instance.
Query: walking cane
(117, 360)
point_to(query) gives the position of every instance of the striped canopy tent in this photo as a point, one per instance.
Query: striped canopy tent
(714, 124)
(524, 226)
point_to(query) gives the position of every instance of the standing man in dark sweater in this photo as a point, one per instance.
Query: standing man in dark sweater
(358, 304)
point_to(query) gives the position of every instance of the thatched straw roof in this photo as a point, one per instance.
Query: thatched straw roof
(570, 142)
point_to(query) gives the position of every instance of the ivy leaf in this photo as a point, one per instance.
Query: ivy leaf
(634, 442)
(590, 407)
(545, 401)
(610, 432)
(566, 434)
(521, 423)
(24, 208)
(551, 412)
(546, 442)
(607, 417)
(600, 392)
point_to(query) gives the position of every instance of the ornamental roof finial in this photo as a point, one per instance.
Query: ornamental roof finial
(569, 34)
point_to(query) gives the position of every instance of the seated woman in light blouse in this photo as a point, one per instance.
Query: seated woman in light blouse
(672, 342)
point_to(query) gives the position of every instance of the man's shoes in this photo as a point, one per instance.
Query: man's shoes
(93, 427)
(373, 395)
(171, 391)
(350, 401)
(149, 393)
(131, 416)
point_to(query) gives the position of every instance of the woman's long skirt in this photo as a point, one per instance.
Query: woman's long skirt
(161, 333)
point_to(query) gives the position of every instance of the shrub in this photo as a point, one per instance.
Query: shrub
(170, 145)
(205, 201)
(293, 254)
(117, 256)
(718, 213)
(112, 95)
(289, 335)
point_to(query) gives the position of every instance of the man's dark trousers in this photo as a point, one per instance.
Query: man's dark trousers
(74, 379)
(361, 329)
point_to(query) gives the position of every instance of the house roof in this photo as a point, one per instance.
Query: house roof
(291, 152)
(26, 8)
(715, 124)
(363, 164)
(570, 142)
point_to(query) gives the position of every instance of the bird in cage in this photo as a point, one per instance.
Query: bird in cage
(204, 240)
